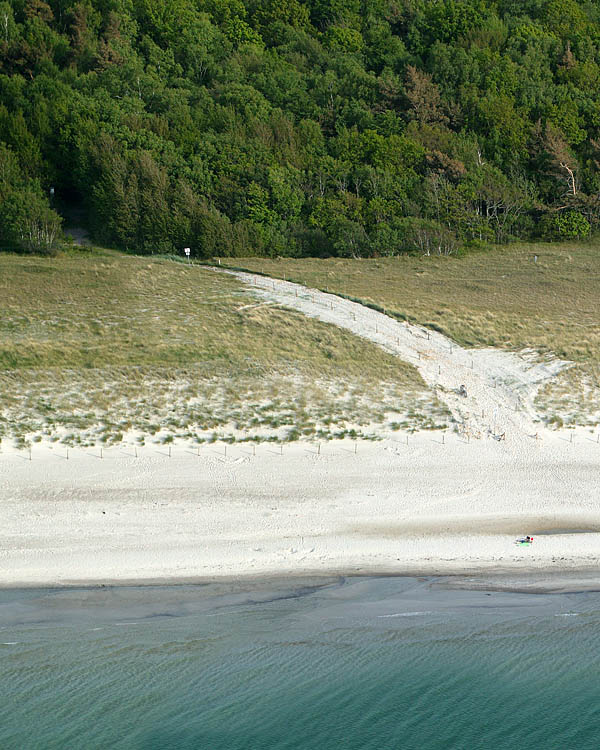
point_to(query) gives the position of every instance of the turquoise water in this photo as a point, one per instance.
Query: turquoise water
(355, 663)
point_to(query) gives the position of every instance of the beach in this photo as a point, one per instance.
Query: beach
(451, 502)
(422, 505)
(354, 594)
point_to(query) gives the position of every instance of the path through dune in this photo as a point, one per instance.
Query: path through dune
(500, 386)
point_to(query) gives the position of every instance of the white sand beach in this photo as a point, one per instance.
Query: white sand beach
(426, 503)
(425, 507)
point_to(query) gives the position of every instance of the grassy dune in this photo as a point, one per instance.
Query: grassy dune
(104, 347)
(501, 298)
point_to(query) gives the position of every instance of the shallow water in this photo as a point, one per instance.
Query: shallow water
(348, 664)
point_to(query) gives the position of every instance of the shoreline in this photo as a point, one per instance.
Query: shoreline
(422, 510)
(516, 581)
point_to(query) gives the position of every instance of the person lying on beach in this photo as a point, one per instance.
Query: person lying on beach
(527, 540)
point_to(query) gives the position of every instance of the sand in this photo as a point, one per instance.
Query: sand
(426, 504)
(388, 508)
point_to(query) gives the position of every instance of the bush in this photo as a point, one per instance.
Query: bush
(568, 225)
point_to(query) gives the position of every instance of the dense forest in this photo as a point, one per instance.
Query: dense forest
(299, 127)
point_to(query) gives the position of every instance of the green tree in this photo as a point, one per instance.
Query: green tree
(568, 225)
(28, 223)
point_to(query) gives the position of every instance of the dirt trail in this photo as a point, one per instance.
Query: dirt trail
(500, 386)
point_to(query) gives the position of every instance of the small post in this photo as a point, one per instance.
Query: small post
(482, 414)
(135, 451)
(67, 454)
(281, 449)
(428, 336)
(355, 448)
(198, 449)
(253, 449)
(571, 438)
(101, 456)
(169, 451)
(598, 438)
(296, 292)
(407, 438)
(471, 364)
(376, 328)
(331, 304)
(419, 353)
(439, 369)
(30, 453)
(444, 437)
(225, 452)
(319, 449)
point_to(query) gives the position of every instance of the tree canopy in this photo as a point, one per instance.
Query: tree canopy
(299, 127)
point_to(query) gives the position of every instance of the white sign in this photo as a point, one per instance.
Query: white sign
(187, 251)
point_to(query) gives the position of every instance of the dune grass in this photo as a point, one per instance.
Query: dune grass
(96, 346)
(503, 298)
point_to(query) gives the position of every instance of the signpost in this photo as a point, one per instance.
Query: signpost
(187, 251)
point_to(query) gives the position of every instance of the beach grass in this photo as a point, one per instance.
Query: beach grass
(541, 296)
(96, 345)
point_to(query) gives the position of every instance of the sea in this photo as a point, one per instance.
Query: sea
(318, 664)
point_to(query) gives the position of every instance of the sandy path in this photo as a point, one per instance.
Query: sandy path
(500, 386)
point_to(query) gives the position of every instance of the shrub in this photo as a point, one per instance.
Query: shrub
(568, 225)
